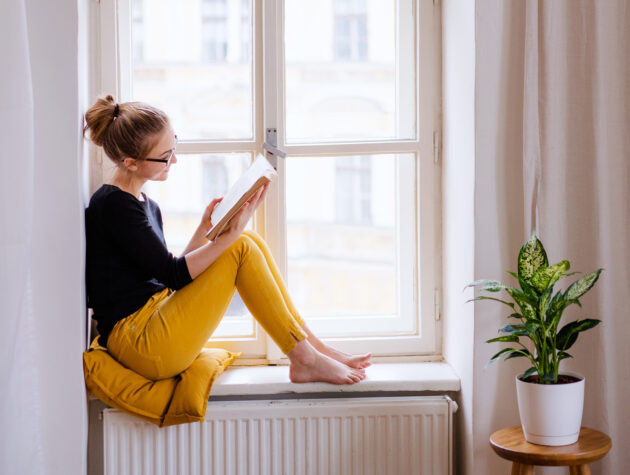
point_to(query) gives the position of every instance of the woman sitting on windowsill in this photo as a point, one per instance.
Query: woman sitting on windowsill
(155, 311)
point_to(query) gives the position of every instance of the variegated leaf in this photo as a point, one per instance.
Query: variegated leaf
(545, 277)
(531, 257)
(483, 297)
(488, 285)
(525, 303)
(518, 329)
(583, 285)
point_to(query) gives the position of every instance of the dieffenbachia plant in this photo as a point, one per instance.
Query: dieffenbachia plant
(539, 311)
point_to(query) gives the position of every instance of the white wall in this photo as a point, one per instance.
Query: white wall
(458, 175)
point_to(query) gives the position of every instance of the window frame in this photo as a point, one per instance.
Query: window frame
(113, 48)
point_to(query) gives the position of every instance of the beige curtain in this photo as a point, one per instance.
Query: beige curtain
(576, 163)
(552, 153)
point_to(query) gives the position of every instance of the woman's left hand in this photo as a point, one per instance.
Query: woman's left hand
(206, 220)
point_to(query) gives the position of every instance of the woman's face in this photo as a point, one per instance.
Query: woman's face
(152, 169)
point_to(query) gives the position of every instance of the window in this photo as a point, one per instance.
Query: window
(214, 30)
(352, 88)
(350, 30)
(353, 189)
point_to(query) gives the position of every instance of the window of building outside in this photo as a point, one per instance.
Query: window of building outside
(214, 30)
(355, 201)
(351, 39)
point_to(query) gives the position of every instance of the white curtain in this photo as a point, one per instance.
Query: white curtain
(553, 153)
(43, 410)
(20, 441)
(577, 168)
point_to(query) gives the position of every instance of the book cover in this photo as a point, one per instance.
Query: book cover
(258, 174)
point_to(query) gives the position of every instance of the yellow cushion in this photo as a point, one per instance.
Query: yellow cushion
(176, 400)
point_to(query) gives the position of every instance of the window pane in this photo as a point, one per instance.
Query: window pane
(342, 247)
(349, 73)
(193, 182)
(193, 60)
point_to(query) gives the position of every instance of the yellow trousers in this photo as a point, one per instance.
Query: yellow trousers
(164, 337)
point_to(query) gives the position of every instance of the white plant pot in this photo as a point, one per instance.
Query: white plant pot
(551, 414)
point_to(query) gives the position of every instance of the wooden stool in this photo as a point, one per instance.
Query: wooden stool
(510, 444)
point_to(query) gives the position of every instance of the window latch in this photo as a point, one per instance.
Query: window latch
(271, 146)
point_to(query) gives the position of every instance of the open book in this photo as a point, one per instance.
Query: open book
(259, 173)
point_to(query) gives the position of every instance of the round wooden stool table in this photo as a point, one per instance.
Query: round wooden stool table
(510, 444)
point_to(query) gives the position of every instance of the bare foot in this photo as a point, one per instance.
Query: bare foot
(309, 365)
(353, 361)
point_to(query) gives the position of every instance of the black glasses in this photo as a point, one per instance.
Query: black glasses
(165, 161)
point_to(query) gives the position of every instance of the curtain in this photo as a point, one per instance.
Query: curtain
(43, 408)
(552, 153)
(20, 442)
(576, 162)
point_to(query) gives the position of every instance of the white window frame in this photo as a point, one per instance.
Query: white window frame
(112, 27)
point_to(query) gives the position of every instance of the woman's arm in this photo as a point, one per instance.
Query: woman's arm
(201, 258)
(199, 238)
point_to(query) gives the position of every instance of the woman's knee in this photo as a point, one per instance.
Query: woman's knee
(253, 235)
(244, 244)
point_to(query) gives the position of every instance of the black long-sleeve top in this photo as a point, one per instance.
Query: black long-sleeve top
(126, 256)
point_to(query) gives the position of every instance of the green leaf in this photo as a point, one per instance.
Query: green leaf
(544, 303)
(545, 277)
(498, 355)
(528, 373)
(518, 329)
(488, 285)
(532, 326)
(531, 257)
(563, 354)
(515, 315)
(510, 338)
(518, 354)
(556, 308)
(483, 297)
(568, 334)
(581, 286)
(525, 303)
(529, 290)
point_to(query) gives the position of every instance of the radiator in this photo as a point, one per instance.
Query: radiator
(344, 436)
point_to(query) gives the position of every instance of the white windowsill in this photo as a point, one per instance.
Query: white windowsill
(382, 377)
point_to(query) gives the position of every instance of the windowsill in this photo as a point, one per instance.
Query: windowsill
(381, 377)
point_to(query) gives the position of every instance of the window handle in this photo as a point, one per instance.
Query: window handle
(271, 146)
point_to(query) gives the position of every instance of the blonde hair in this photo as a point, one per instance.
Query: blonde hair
(124, 130)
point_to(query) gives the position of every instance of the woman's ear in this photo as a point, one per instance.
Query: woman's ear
(130, 164)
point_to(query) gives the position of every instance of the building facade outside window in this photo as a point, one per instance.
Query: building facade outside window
(351, 37)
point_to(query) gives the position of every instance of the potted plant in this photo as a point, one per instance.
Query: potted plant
(550, 403)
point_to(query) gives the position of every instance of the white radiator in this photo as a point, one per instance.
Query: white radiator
(354, 436)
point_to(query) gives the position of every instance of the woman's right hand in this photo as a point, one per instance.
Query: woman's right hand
(241, 218)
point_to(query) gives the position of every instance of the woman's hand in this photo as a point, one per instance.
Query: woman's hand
(206, 220)
(239, 221)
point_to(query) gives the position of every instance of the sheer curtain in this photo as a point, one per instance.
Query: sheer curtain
(553, 154)
(577, 163)
(20, 444)
(43, 410)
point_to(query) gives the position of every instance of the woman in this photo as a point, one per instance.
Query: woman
(155, 311)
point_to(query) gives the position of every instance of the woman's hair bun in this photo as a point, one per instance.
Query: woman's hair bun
(99, 117)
